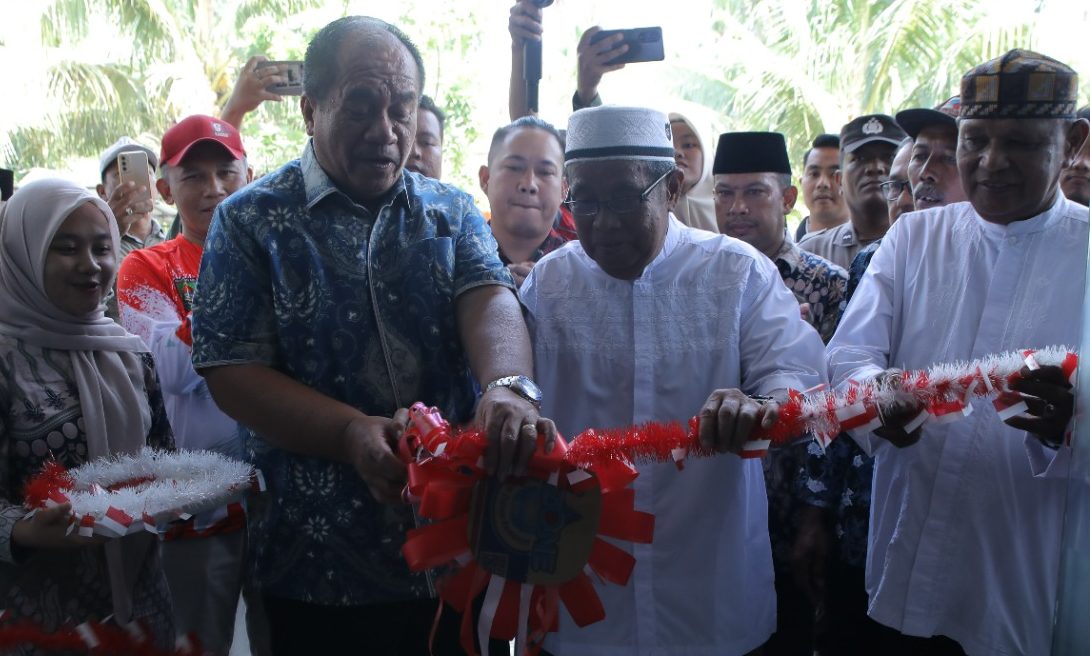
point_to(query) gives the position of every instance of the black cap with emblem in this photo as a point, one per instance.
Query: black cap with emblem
(868, 128)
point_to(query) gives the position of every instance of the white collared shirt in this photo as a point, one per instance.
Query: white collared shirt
(965, 524)
(709, 312)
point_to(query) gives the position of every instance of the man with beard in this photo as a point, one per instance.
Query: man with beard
(867, 146)
(1075, 179)
(964, 548)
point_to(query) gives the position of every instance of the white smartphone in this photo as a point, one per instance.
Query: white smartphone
(132, 166)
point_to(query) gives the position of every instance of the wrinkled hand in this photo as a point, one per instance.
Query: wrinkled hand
(729, 417)
(810, 553)
(1050, 402)
(129, 204)
(525, 23)
(592, 59)
(897, 416)
(512, 425)
(520, 271)
(371, 447)
(249, 91)
(47, 529)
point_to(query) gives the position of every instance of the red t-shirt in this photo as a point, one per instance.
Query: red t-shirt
(160, 282)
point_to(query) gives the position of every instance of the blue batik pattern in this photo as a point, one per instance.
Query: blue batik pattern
(360, 306)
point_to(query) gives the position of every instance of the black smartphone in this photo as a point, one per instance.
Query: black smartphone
(644, 44)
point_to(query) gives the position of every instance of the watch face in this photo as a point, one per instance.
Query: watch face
(527, 388)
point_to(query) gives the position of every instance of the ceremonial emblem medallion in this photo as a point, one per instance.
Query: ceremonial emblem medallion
(531, 531)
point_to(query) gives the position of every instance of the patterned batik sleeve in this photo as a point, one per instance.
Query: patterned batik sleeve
(160, 436)
(835, 301)
(857, 269)
(11, 510)
(233, 313)
(476, 255)
(825, 471)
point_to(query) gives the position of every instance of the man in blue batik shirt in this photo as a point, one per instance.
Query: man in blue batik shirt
(334, 293)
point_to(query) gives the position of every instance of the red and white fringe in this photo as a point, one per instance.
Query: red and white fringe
(944, 393)
(127, 494)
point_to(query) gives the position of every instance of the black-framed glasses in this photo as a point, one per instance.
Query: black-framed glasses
(623, 205)
(893, 188)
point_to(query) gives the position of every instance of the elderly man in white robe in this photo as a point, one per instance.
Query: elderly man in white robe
(967, 516)
(644, 319)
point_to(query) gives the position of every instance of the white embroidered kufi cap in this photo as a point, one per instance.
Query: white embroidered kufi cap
(612, 132)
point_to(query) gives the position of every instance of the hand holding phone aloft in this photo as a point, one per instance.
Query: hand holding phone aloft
(132, 198)
(290, 74)
(644, 44)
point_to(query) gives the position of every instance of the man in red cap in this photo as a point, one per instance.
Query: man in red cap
(202, 163)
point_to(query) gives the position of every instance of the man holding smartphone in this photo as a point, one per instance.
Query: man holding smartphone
(130, 202)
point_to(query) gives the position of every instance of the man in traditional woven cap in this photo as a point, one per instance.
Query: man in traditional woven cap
(867, 146)
(964, 546)
(641, 320)
(1075, 179)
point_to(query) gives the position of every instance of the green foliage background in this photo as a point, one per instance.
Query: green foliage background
(83, 72)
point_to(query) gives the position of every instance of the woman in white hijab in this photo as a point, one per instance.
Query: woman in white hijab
(74, 386)
(696, 205)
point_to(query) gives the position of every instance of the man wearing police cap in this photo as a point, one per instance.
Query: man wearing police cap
(965, 536)
(867, 146)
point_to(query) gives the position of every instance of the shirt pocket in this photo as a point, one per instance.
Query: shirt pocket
(423, 284)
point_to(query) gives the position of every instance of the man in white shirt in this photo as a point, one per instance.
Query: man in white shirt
(966, 518)
(641, 320)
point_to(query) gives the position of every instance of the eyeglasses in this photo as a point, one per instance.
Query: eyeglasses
(893, 188)
(623, 205)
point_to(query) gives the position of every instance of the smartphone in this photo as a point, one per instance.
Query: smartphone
(644, 44)
(132, 166)
(292, 72)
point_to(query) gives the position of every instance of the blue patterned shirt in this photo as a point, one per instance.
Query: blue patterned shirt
(817, 281)
(839, 478)
(359, 306)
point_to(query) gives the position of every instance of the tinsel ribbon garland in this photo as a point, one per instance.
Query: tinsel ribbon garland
(446, 465)
(125, 494)
(89, 638)
(118, 496)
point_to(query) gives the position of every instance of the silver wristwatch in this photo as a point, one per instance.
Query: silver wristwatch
(520, 385)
